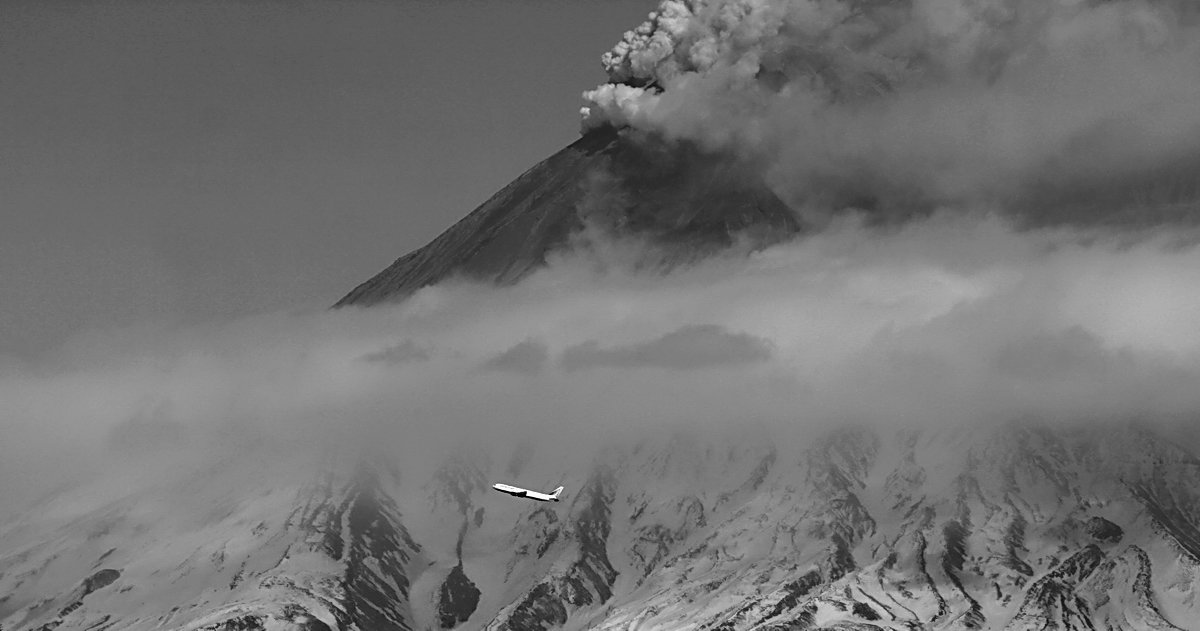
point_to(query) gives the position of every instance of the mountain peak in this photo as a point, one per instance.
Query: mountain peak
(682, 200)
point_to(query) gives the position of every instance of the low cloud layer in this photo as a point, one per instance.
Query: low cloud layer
(1056, 111)
(951, 319)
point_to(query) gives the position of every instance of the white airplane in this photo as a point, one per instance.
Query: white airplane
(517, 491)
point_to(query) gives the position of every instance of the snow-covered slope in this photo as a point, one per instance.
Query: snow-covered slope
(202, 549)
(1015, 528)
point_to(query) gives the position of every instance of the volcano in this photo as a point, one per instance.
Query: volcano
(683, 202)
(1016, 527)
(1024, 526)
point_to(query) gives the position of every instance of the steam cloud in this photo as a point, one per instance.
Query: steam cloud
(1029, 106)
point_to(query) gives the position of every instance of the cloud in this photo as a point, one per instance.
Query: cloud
(1053, 111)
(1071, 353)
(952, 319)
(148, 430)
(526, 357)
(688, 348)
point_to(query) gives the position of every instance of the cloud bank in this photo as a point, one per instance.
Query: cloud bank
(947, 320)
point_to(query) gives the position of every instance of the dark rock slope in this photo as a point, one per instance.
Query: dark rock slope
(685, 202)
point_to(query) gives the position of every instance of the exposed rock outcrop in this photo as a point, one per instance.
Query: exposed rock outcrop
(1009, 529)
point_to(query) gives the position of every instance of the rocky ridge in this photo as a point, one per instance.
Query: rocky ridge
(683, 203)
(1026, 528)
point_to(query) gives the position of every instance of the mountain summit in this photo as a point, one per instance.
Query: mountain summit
(624, 183)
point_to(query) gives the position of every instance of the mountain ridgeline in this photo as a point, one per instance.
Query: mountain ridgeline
(684, 202)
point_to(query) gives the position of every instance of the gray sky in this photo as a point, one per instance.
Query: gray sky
(190, 161)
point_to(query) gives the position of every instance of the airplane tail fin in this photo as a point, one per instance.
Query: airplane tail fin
(556, 493)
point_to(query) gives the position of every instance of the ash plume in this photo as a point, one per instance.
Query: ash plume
(1059, 111)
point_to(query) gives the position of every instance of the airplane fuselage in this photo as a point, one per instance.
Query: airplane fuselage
(517, 491)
